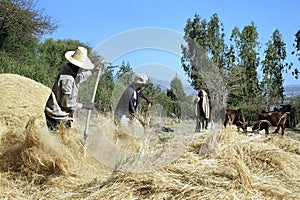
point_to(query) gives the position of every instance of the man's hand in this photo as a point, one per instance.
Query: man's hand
(99, 66)
(149, 101)
(146, 98)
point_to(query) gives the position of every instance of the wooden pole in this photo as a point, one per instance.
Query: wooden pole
(85, 134)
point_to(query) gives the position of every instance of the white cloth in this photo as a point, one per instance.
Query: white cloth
(204, 106)
(124, 121)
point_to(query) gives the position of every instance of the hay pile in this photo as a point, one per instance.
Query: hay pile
(37, 164)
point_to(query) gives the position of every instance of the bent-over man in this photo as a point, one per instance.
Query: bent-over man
(127, 106)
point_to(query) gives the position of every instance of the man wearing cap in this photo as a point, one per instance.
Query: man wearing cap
(127, 106)
(62, 103)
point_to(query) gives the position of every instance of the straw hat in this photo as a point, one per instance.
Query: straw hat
(140, 78)
(79, 58)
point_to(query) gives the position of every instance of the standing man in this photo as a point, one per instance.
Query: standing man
(127, 106)
(62, 103)
(201, 111)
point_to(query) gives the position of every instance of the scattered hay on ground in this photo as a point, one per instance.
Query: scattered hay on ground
(37, 163)
(218, 164)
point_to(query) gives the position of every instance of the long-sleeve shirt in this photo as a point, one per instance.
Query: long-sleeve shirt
(128, 103)
(63, 98)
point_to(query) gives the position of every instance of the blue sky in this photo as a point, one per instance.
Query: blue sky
(95, 21)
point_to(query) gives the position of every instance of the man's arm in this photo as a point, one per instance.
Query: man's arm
(84, 75)
(146, 98)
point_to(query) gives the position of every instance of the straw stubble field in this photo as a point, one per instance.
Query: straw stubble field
(217, 164)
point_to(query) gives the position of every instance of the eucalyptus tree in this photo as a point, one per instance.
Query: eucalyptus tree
(296, 72)
(247, 48)
(297, 40)
(232, 78)
(273, 67)
(216, 44)
(203, 56)
(195, 34)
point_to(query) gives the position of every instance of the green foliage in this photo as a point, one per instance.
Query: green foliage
(21, 24)
(43, 62)
(297, 40)
(122, 82)
(273, 67)
(294, 117)
(32, 70)
(296, 72)
(251, 112)
(177, 88)
(173, 101)
(20, 48)
(105, 90)
(187, 107)
(52, 52)
(123, 69)
(246, 45)
(177, 96)
(203, 57)
(236, 64)
(20, 21)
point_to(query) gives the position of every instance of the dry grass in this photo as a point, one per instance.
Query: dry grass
(217, 164)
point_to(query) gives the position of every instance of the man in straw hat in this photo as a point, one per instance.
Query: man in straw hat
(202, 111)
(127, 106)
(62, 103)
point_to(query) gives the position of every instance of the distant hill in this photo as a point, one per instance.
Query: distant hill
(164, 85)
(292, 90)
